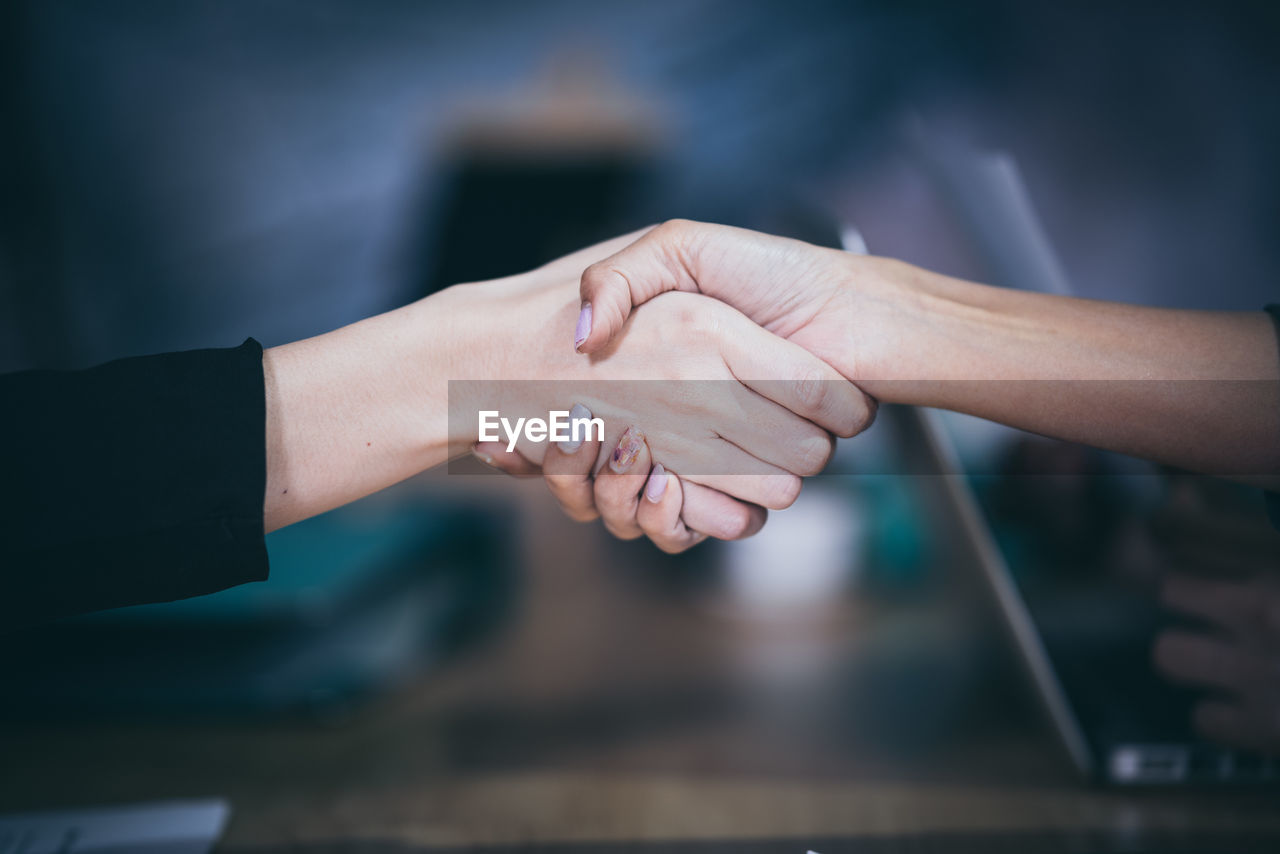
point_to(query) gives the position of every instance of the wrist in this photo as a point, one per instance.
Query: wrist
(501, 338)
(916, 333)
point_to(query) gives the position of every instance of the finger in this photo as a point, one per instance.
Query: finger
(651, 265)
(764, 485)
(1203, 661)
(1237, 725)
(618, 486)
(659, 513)
(1230, 605)
(567, 467)
(495, 455)
(711, 512)
(770, 432)
(795, 379)
(722, 465)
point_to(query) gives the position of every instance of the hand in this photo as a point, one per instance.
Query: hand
(741, 440)
(906, 335)
(652, 502)
(798, 291)
(1228, 581)
(773, 274)
(1238, 656)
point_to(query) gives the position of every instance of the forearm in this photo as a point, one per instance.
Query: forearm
(1196, 389)
(366, 406)
(358, 409)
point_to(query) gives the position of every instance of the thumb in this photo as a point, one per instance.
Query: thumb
(662, 260)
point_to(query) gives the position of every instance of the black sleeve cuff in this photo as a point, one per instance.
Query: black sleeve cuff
(136, 481)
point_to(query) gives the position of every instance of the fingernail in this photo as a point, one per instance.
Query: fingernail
(577, 430)
(628, 449)
(583, 331)
(483, 457)
(657, 484)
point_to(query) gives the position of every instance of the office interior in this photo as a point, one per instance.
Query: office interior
(453, 665)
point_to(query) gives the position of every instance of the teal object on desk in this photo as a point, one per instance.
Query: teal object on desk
(318, 566)
(359, 599)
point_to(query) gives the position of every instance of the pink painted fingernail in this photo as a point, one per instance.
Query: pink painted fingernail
(657, 484)
(624, 456)
(583, 331)
(578, 431)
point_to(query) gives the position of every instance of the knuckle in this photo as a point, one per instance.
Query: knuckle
(675, 227)
(868, 411)
(622, 532)
(581, 514)
(671, 546)
(864, 415)
(567, 488)
(813, 453)
(593, 277)
(605, 280)
(616, 507)
(754, 518)
(782, 491)
(677, 239)
(810, 391)
(739, 530)
(736, 524)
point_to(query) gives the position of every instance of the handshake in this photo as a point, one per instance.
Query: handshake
(711, 368)
(714, 367)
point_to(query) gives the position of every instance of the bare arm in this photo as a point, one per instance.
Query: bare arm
(358, 409)
(1195, 389)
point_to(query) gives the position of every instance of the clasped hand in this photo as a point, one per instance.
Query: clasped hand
(713, 412)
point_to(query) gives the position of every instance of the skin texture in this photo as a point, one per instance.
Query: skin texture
(1110, 375)
(366, 406)
(1145, 381)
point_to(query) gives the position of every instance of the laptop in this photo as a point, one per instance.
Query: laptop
(1057, 531)
(1083, 624)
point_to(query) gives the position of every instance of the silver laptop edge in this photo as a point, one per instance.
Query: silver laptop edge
(995, 569)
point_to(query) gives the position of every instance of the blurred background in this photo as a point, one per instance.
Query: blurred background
(185, 175)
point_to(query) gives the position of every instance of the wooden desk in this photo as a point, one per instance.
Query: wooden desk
(616, 706)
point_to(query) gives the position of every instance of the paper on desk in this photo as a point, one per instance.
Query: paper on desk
(169, 827)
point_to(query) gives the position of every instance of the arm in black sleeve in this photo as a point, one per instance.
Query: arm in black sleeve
(136, 481)
(1273, 498)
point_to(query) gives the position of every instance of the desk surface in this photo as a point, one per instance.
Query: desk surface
(618, 706)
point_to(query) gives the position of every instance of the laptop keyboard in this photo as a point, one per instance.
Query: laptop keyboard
(1156, 764)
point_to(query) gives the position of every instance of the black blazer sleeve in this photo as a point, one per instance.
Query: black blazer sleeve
(136, 481)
